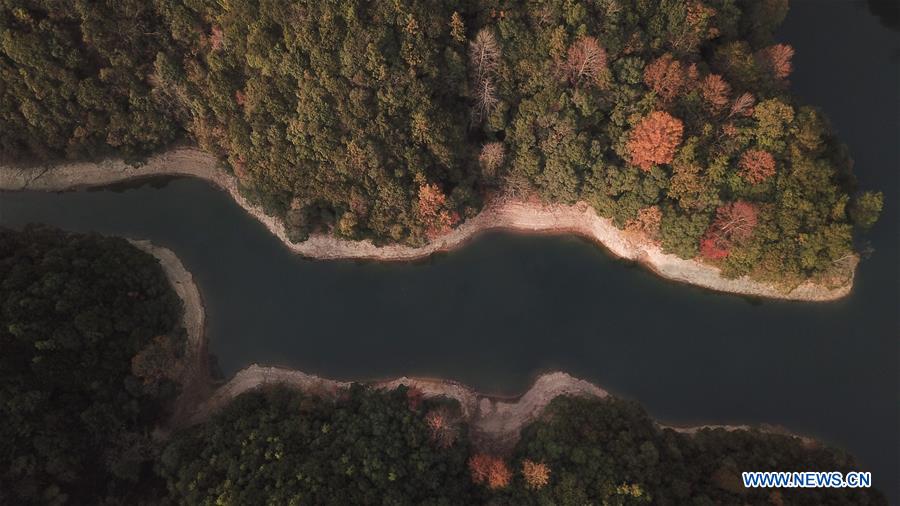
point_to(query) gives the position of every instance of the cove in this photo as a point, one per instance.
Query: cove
(506, 307)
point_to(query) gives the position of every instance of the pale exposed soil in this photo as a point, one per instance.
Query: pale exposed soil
(494, 422)
(580, 219)
(194, 377)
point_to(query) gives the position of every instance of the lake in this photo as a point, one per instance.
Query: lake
(507, 307)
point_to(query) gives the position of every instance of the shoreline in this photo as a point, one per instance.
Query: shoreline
(195, 376)
(579, 219)
(494, 421)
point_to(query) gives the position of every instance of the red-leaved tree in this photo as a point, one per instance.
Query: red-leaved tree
(655, 139)
(734, 224)
(711, 248)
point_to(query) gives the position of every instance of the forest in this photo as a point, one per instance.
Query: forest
(92, 344)
(395, 121)
(279, 446)
(77, 314)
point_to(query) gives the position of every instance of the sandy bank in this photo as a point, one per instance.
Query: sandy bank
(493, 422)
(195, 375)
(580, 219)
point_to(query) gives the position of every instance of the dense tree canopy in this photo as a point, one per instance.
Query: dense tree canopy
(74, 79)
(332, 113)
(611, 452)
(393, 120)
(282, 447)
(688, 113)
(74, 311)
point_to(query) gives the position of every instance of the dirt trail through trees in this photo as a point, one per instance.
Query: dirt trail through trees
(580, 219)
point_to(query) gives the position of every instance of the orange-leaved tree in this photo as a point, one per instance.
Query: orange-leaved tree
(489, 470)
(715, 91)
(536, 474)
(647, 222)
(666, 76)
(441, 427)
(655, 139)
(756, 165)
(432, 210)
(777, 59)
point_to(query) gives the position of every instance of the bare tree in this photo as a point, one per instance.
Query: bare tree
(585, 60)
(743, 105)
(485, 98)
(491, 158)
(484, 54)
(484, 58)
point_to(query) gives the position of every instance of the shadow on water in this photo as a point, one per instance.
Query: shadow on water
(155, 182)
(887, 12)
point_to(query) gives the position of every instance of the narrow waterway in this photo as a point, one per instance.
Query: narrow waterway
(507, 307)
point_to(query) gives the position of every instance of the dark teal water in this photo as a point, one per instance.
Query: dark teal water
(507, 307)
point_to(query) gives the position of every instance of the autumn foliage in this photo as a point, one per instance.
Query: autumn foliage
(432, 211)
(536, 474)
(585, 61)
(715, 91)
(711, 248)
(757, 166)
(655, 139)
(777, 59)
(489, 470)
(647, 222)
(441, 428)
(666, 76)
(734, 224)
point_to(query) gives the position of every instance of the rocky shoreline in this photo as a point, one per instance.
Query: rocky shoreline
(579, 219)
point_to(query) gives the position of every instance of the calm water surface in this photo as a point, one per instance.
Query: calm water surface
(507, 307)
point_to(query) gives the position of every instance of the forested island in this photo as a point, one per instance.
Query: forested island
(94, 356)
(398, 121)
